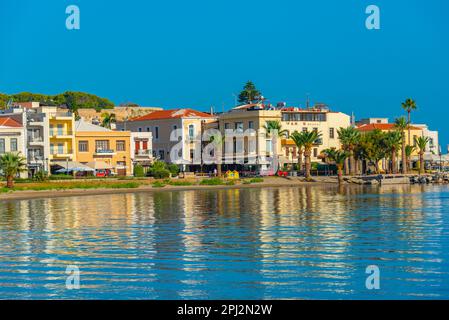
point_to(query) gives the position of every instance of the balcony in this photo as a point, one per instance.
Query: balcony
(104, 152)
(35, 119)
(64, 134)
(62, 116)
(36, 141)
(143, 153)
(61, 153)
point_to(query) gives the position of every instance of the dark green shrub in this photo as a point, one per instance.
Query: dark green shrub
(138, 171)
(173, 168)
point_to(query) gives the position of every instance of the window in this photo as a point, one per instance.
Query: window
(60, 129)
(161, 154)
(251, 124)
(156, 132)
(2, 145)
(304, 129)
(52, 130)
(13, 144)
(120, 145)
(83, 146)
(60, 148)
(227, 126)
(331, 133)
(239, 126)
(148, 129)
(315, 152)
(175, 127)
(52, 148)
(101, 145)
(192, 153)
(139, 129)
(191, 131)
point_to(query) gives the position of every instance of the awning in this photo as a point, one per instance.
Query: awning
(68, 166)
(99, 165)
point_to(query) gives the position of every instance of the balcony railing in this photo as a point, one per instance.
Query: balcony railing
(104, 151)
(62, 114)
(54, 133)
(59, 151)
(35, 139)
(143, 152)
(31, 118)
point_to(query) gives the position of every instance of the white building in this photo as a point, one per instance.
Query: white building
(433, 147)
(12, 138)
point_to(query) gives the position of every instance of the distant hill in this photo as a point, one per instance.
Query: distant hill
(70, 99)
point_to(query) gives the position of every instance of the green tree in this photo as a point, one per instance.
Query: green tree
(409, 105)
(108, 119)
(421, 143)
(310, 139)
(393, 141)
(401, 125)
(297, 139)
(11, 164)
(374, 146)
(408, 154)
(349, 138)
(249, 94)
(339, 157)
(138, 171)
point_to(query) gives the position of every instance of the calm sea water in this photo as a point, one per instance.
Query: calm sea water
(268, 243)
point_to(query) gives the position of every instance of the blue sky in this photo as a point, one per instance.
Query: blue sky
(198, 53)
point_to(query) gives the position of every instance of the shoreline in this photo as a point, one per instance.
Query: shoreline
(272, 183)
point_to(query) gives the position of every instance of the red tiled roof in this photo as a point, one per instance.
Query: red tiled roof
(381, 126)
(173, 114)
(8, 122)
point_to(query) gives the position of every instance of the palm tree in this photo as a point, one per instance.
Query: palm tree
(421, 143)
(339, 157)
(349, 138)
(297, 139)
(274, 128)
(12, 164)
(401, 125)
(108, 119)
(393, 141)
(408, 154)
(409, 105)
(309, 138)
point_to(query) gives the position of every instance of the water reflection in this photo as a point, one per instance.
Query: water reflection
(305, 242)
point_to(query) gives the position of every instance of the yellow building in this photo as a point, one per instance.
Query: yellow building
(98, 144)
(415, 132)
(256, 116)
(62, 138)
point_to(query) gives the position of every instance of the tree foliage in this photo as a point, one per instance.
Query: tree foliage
(71, 99)
(249, 94)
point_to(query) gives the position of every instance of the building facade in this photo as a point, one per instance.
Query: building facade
(94, 144)
(169, 128)
(12, 138)
(142, 148)
(255, 117)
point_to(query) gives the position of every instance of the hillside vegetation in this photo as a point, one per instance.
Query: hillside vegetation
(73, 100)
